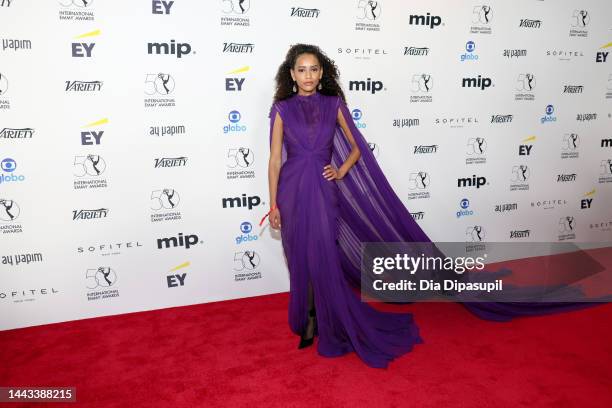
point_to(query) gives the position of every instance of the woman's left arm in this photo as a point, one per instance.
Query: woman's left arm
(355, 153)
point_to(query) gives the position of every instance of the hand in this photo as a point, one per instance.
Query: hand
(275, 219)
(331, 173)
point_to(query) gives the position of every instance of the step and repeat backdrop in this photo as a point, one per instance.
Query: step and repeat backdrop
(134, 136)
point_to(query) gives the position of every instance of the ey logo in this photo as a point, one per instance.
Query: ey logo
(93, 137)
(84, 49)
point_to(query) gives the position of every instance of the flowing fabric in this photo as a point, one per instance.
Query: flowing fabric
(324, 223)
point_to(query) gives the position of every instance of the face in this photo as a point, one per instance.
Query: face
(307, 73)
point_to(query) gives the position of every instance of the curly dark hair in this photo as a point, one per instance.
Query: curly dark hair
(329, 81)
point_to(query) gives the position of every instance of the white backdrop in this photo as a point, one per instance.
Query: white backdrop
(514, 96)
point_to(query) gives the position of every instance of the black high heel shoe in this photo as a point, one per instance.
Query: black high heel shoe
(304, 342)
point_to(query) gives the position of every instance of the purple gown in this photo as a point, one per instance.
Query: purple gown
(323, 224)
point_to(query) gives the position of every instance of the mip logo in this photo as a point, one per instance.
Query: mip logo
(9, 210)
(368, 85)
(470, 47)
(234, 84)
(172, 48)
(241, 202)
(9, 165)
(161, 84)
(464, 204)
(92, 137)
(549, 117)
(246, 236)
(474, 181)
(357, 115)
(479, 82)
(426, 20)
(602, 56)
(234, 125)
(76, 3)
(84, 49)
(235, 6)
(368, 10)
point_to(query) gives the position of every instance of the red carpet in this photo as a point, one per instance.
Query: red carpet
(241, 353)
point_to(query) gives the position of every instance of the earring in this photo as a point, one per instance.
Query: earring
(294, 88)
(320, 86)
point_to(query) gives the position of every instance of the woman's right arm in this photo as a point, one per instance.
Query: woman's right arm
(274, 166)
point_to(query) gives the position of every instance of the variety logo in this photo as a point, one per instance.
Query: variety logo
(5, 3)
(416, 51)
(564, 178)
(527, 23)
(83, 86)
(170, 162)
(16, 133)
(89, 214)
(423, 149)
(573, 89)
(304, 12)
(238, 48)
(502, 118)
(520, 234)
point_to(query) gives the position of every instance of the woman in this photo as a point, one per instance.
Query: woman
(327, 196)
